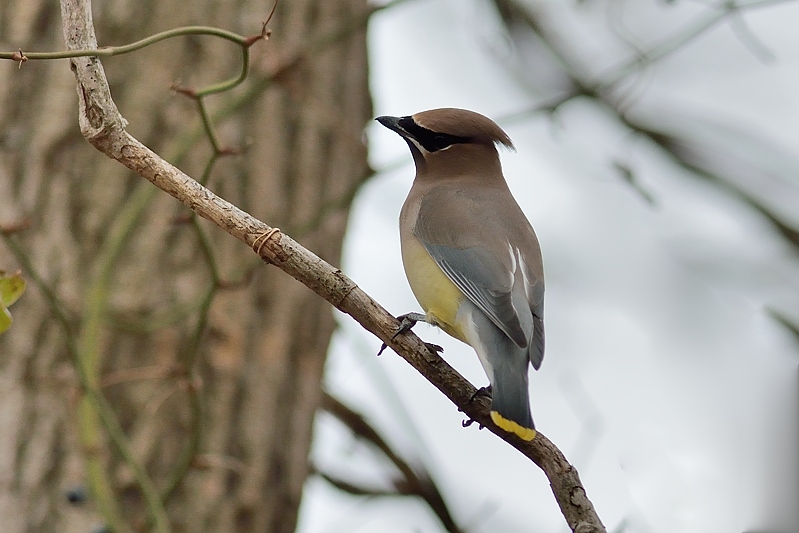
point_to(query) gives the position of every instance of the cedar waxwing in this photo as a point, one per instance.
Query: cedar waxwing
(471, 256)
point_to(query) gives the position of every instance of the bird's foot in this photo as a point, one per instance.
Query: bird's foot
(407, 321)
(469, 422)
(482, 391)
(435, 348)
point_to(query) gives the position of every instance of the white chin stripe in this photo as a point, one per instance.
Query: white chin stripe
(417, 145)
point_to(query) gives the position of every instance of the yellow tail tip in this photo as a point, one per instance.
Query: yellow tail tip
(510, 426)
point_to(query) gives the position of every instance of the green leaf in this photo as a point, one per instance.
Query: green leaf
(11, 288)
(5, 319)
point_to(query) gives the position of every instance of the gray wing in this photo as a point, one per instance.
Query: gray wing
(486, 282)
(498, 280)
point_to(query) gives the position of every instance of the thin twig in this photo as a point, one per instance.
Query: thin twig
(110, 51)
(749, 39)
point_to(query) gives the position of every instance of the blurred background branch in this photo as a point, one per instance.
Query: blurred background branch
(415, 480)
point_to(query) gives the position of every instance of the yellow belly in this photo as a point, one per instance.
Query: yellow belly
(434, 291)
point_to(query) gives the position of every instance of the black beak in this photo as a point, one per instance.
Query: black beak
(391, 123)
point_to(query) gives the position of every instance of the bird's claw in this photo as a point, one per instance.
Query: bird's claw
(407, 321)
(469, 422)
(435, 348)
(482, 391)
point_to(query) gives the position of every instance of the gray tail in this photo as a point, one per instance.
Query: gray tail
(510, 396)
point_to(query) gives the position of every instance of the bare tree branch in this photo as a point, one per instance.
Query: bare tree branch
(103, 126)
(353, 488)
(791, 325)
(689, 157)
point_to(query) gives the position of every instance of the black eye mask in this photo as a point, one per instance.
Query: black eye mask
(430, 140)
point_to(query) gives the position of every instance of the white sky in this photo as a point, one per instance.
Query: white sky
(664, 382)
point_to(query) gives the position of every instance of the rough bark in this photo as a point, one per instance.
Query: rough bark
(261, 359)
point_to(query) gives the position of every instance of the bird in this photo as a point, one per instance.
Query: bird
(470, 255)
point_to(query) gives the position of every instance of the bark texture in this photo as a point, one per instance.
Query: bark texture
(260, 363)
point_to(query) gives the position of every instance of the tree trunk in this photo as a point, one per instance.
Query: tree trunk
(130, 273)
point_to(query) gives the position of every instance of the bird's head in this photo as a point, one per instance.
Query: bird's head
(448, 140)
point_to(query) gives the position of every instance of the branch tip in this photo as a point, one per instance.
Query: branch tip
(269, 18)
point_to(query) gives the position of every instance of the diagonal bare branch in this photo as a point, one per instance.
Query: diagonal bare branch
(103, 126)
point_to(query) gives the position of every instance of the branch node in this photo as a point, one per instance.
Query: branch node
(263, 36)
(185, 91)
(19, 57)
(230, 150)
